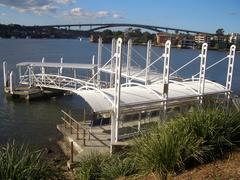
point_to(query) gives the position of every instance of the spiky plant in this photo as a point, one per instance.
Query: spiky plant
(19, 162)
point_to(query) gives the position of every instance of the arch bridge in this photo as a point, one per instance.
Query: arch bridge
(99, 26)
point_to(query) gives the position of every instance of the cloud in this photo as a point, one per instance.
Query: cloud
(83, 13)
(116, 16)
(35, 6)
(79, 12)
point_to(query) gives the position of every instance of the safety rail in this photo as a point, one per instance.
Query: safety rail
(76, 126)
(58, 82)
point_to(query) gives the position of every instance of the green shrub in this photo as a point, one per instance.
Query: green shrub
(220, 129)
(90, 166)
(118, 167)
(198, 137)
(165, 149)
(21, 163)
(100, 166)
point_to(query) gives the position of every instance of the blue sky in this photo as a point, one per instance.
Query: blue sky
(201, 15)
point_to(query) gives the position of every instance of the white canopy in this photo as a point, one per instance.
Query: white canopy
(101, 100)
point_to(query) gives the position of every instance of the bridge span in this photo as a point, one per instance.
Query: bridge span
(99, 26)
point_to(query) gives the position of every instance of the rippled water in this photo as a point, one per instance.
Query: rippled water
(35, 122)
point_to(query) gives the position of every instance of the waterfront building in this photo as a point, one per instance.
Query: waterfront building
(234, 38)
(201, 38)
(162, 37)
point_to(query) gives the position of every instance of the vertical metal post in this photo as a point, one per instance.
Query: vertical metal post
(75, 76)
(117, 91)
(129, 59)
(30, 76)
(84, 137)
(99, 60)
(139, 121)
(93, 70)
(20, 73)
(84, 131)
(61, 68)
(71, 153)
(11, 82)
(201, 83)
(70, 118)
(77, 131)
(43, 71)
(5, 74)
(148, 61)
(231, 58)
(166, 69)
(113, 50)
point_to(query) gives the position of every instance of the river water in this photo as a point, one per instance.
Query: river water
(35, 122)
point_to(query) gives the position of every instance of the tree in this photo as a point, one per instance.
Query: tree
(220, 32)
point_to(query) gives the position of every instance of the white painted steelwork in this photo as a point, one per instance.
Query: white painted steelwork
(129, 60)
(4, 74)
(117, 92)
(113, 51)
(148, 61)
(202, 71)
(99, 60)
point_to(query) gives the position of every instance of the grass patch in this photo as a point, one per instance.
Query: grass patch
(18, 162)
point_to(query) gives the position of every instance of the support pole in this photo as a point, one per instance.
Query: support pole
(94, 70)
(129, 60)
(99, 60)
(148, 61)
(61, 68)
(71, 153)
(5, 74)
(139, 121)
(30, 76)
(201, 83)
(166, 69)
(113, 50)
(117, 89)
(75, 76)
(43, 71)
(11, 83)
(231, 58)
(20, 73)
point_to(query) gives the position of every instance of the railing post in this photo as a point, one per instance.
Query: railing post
(64, 117)
(139, 121)
(84, 137)
(5, 74)
(77, 131)
(71, 152)
(71, 131)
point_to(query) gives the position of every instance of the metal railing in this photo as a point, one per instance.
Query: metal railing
(79, 127)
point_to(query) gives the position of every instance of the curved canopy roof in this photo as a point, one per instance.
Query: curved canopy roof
(102, 100)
